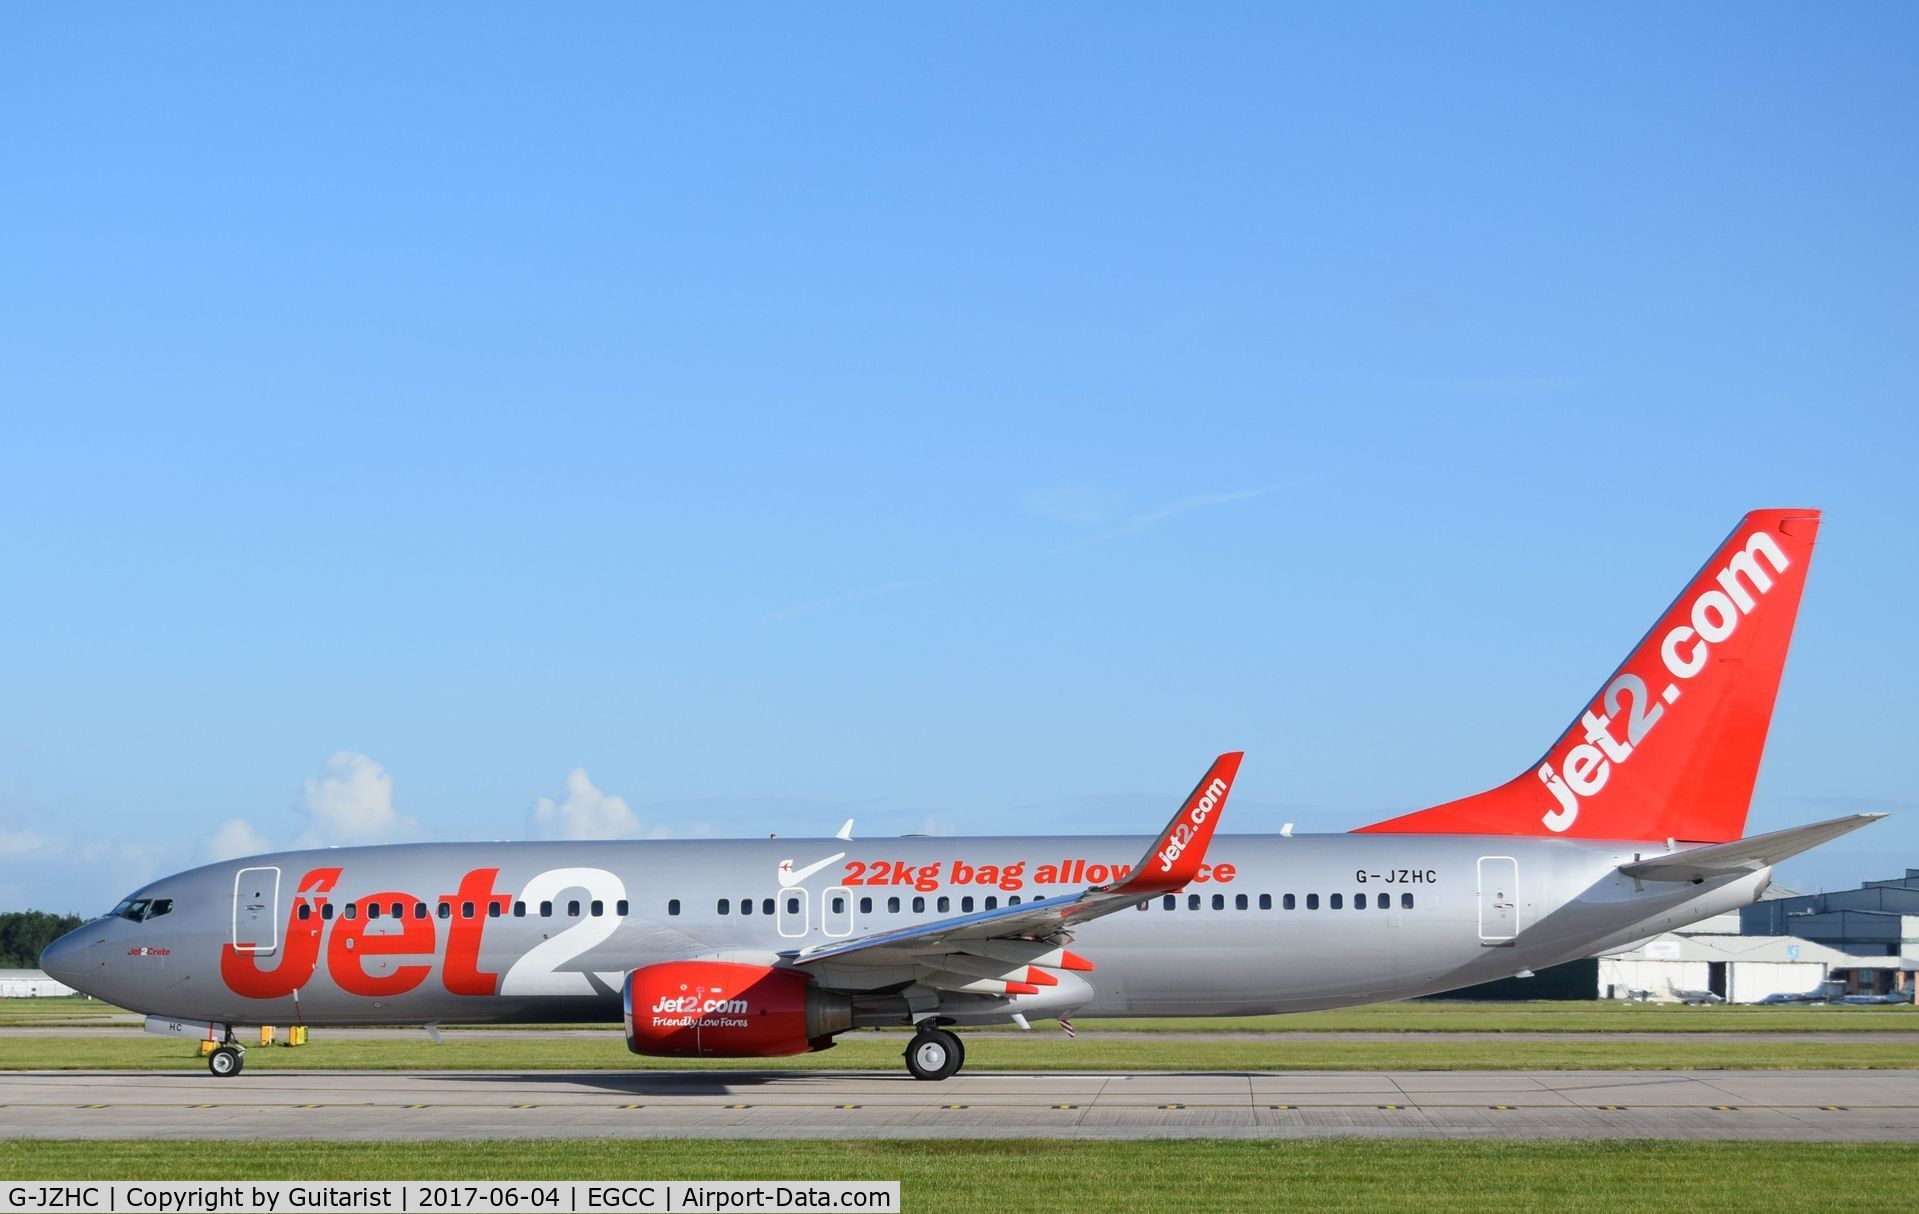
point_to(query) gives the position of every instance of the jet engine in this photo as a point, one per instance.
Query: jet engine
(728, 1010)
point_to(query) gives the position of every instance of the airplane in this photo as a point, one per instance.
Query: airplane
(1694, 998)
(1629, 825)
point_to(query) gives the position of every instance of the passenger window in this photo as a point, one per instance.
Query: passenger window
(546, 911)
(944, 904)
(1405, 902)
(326, 911)
(573, 909)
(1219, 901)
(397, 910)
(1289, 902)
(866, 906)
(304, 913)
(519, 909)
(1384, 902)
(1335, 901)
(746, 906)
(372, 910)
(966, 905)
(992, 900)
(766, 907)
(446, 910)
(1014, 900)
(793, 906)
(492, 909)
(1239, 902)
(352, 910)
(466, 910)
(839, 905)
(598, 908)
(619, 908)
(672, 906)
(1312, 901)
(1192, 901)
(726, 905)
(892, 906)
(419, 910)
(1169, 901)
(1266, 900)
(1359, 901)
(919, 906)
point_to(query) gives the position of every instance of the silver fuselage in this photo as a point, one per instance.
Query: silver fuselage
(1279, 924)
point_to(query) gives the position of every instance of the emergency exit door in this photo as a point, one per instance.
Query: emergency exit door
(1498, 899)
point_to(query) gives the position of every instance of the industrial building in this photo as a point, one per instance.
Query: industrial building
(30, 984)
(1862, 941)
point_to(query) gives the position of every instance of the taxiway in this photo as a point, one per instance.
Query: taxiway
(1796, 1105)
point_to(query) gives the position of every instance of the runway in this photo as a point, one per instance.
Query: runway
(192, 1105)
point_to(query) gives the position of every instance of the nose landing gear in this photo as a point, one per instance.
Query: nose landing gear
(935, 1054)
(226, 1061)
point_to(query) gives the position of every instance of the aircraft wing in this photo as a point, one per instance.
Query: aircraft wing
(994, 952)
(1743, 855)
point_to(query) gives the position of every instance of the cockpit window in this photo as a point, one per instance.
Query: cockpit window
(139, 910)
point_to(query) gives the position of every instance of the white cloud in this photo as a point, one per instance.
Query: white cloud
(351, 801)
(27, 843)
(232, 839)
(586, 813)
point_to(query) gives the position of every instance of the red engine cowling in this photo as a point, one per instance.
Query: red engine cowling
(727, 1010)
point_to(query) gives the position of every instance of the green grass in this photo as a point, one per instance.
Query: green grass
(1596, 1016)
(1038, 1051)
(56, 1011)
(1143, 1176)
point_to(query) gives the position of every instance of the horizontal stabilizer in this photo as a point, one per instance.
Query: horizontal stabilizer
(1743, 855)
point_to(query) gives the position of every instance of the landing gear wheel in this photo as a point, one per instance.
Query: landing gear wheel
(226, 1061)
(934, 1054)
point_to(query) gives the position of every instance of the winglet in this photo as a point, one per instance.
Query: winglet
(1174, 858)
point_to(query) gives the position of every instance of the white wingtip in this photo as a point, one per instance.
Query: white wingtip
(845, 832)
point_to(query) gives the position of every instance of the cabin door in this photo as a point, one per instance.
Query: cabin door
(256, 910)
(1498, 900)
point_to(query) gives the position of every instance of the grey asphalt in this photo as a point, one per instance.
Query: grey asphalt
(406, 1105)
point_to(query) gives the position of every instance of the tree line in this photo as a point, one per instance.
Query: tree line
(24, 934)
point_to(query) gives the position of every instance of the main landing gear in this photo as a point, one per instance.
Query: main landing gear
(227, 1060)
(935, 1054)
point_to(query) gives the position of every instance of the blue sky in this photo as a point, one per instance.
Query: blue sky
(967, 420)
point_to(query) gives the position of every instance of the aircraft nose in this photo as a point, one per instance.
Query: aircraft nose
(65, 959)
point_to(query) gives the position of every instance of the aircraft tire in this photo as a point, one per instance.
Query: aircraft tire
(226, 1062)
(934, 1054)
